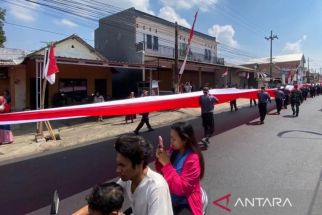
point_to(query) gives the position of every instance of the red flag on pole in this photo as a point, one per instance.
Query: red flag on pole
(225, 73)
(51, 66)
(192, 28)
(188, 46)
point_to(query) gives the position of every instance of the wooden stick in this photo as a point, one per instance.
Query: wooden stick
(51, 131)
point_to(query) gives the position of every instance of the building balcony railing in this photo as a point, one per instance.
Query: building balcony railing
(168, 52)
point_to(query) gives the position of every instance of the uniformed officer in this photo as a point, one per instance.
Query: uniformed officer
(279, 97)
(263, 98)
(296, 100)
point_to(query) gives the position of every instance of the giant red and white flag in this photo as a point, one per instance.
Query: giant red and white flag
(51, 67)
(188, 46)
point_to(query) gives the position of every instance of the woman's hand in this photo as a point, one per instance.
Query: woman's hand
(161, 154)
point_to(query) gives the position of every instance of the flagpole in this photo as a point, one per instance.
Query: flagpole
(43, 95)
(187, 49)
(43, 91)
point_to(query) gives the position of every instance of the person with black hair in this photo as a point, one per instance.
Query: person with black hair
(144, 119)
(105, 199)
(7, 96)
(146, 189)
(296, 99)
(183, 169)
(263, 98)
(207, 102)
(279, 98)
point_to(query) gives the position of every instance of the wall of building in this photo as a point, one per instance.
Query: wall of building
(18, 87)
(5, 83)
(197, 79)
(68, 71)
(115, 37)
(166, 38)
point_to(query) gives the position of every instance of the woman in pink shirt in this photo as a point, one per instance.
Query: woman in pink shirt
(183, 169)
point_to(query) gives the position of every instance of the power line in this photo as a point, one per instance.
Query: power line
(68, 8)
(38, 29)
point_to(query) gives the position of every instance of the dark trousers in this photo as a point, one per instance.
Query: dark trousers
(233, 104)
(279, 103)
(286, 101)
(262, 107)
(295, 108)
(182, 210)
(251, 102)
(144, 119)
(208, 123)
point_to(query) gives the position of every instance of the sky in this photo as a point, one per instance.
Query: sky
(239, 26)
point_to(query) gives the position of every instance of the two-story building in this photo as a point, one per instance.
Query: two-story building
(136, 37)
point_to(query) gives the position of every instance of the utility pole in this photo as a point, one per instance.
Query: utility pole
(271, 38)
(308, 71)
(176, 59)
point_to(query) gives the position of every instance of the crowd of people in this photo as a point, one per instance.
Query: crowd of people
(284, 97)
(174, 188)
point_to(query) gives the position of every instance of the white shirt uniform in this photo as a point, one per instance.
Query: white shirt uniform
(151, 197)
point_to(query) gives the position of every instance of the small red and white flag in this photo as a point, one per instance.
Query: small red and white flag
(225, 73)
(51, 67)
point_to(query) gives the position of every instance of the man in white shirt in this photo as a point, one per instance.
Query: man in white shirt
(146, 189)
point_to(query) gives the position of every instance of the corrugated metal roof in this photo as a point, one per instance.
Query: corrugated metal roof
(11, 57)
(278, 59)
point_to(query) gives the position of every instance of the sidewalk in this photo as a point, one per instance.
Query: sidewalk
(78, 131)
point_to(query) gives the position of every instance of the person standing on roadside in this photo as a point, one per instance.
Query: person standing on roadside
(97, 99)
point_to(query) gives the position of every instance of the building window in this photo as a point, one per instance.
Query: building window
(156, 31)
(143, 27)
(155, 43)
(150, 29)
(183, 49)
(149, 41)
(137, 25)
(207, 54)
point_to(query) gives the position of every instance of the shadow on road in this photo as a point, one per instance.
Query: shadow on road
(76, 169)
(273, 113)
(283, 133)
(289, 116)
(254, 123)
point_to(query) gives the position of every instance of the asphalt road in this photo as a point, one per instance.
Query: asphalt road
(280, 159)
(244, 160)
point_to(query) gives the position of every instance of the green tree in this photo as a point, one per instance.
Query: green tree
(2, 33)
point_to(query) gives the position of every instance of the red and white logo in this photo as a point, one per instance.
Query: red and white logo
(219, 201)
